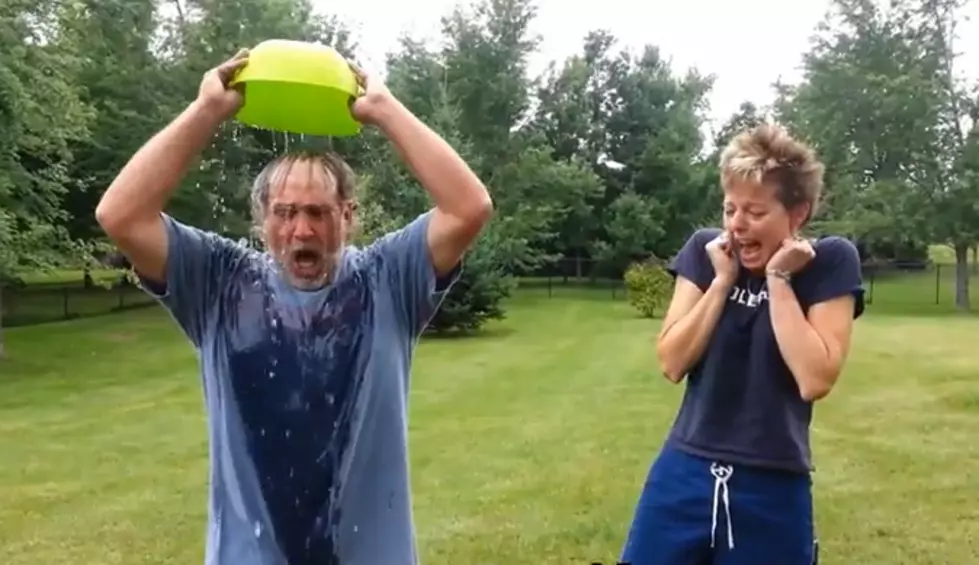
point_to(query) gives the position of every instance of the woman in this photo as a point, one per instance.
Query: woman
(759, 324)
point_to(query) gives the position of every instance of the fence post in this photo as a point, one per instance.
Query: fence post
(938, 283)
(870, 297)
(64, 301)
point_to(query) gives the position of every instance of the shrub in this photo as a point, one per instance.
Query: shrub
(649, 287)
(477, 297)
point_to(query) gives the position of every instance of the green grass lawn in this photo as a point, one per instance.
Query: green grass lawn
(928, 292)
(529, 444)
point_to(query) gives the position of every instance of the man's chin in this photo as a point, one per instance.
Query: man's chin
(307, 284)
(307, 279)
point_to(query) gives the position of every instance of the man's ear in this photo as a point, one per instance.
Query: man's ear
(350, 211)
(350, 218)
(259, 234)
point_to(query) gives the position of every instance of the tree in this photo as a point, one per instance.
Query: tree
(636, 125)
(41, 115)
(600, 157)
(475, 93)
(956, 192)
(894, 152)
(872, 143)
(122, 82)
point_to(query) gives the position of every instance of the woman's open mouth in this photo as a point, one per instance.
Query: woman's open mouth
(749, 251)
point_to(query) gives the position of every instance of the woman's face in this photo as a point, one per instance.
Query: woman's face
(758, 222)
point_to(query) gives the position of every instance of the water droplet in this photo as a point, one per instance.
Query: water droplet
(258, 529)
(271, 374)
(329, 398)
(288, 433)
(262, 432)
(355, 528)
(292, 472)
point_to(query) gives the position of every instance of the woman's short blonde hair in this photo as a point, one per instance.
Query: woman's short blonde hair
(768, 154)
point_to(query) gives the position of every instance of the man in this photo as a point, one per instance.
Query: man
(305, 349)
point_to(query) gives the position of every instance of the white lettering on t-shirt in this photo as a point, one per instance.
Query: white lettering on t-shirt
(745, 297)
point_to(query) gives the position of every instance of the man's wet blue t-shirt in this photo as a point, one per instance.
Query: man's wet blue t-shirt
(306, 395)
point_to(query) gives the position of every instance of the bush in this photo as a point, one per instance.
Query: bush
(477, 296)
(649, 287)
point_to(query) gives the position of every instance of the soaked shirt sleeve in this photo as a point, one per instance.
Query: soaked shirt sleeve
(198, 265)
(408, 274)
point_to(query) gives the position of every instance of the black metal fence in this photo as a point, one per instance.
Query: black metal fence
(30, 304)
(922, 287)
(925, 288)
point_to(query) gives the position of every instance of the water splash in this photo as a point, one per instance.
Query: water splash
(225, 174)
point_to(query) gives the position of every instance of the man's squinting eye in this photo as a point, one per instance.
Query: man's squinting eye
(284, 211)
(312, 211)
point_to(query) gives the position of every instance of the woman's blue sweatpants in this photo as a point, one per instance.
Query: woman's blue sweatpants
(695, 511)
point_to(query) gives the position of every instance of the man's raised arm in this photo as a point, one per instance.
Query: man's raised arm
(462, 204)
(130, 210)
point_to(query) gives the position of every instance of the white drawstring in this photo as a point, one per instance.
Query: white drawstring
(722, 473)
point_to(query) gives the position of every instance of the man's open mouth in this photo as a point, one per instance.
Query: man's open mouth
(305, 258)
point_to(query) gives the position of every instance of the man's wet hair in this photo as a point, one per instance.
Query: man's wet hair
(278, 169)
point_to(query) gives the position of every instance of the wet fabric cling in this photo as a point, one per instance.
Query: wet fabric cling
(306, 396)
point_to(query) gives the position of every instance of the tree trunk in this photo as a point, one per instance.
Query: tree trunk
(1, 322)
(962, 276)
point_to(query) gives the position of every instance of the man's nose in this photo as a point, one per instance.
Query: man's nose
(303, 229)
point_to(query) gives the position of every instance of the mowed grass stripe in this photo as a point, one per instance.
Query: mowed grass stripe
(529, 444)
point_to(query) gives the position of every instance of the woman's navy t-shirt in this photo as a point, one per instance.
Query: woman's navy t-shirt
(741, 403)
